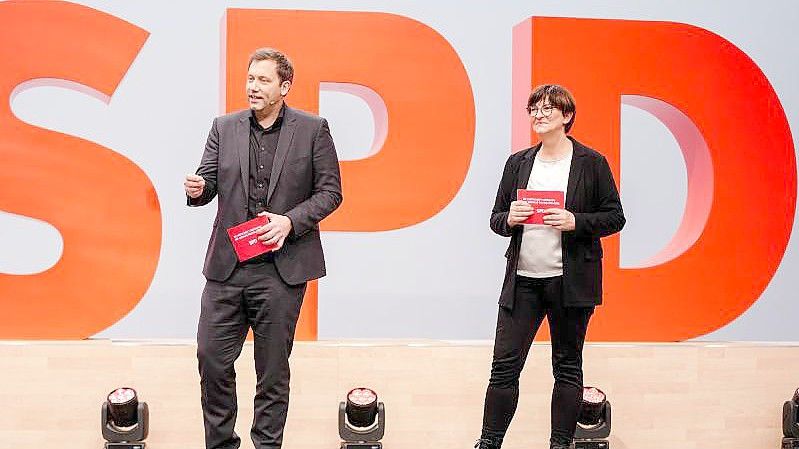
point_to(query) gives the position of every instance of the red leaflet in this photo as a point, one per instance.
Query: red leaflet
(245, 240)
(540, 200)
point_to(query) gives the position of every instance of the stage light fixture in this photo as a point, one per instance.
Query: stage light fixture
(361, 420)
(790, 422)
(124, 420)
(593, 424)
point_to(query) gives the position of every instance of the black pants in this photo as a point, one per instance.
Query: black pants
(535, 299)
(253, 297)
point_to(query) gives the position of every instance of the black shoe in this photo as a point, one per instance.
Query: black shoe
(487, 443)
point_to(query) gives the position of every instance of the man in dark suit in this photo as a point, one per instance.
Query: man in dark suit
(279, 162)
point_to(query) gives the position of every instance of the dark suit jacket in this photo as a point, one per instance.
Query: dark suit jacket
(305, 185)
(592, 197)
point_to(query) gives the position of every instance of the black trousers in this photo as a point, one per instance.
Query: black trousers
(253, 297)
(516, 328)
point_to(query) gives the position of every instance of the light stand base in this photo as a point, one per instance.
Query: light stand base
(124, 445)
(345, 445)
(790, 443)
(591, 444)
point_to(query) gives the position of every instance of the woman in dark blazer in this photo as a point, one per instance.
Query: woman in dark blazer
(554, 269)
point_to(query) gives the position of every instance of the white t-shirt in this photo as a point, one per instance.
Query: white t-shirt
(541, 255)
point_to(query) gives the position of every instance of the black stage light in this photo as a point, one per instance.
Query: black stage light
(790, 422)
(361, 420)
(593, 424)
(124, 420)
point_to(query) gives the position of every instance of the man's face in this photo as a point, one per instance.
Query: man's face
(264, 89)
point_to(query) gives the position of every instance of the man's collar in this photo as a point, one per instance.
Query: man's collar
(278, 120)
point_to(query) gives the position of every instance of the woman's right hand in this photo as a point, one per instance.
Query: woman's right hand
(519, 212)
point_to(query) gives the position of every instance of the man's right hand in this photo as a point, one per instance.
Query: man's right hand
(519, 212)
(194, 185)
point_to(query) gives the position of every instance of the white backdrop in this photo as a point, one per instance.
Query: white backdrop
(439, 278)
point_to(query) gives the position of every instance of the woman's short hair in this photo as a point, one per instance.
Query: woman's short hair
(557, 96)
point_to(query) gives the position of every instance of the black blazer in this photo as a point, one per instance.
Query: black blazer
(592, 197)
(305, 185)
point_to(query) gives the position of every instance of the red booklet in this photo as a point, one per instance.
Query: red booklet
(245, 240)
(541, 200)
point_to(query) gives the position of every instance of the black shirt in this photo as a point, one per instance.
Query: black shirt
(263, 145)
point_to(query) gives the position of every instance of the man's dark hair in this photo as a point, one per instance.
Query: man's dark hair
(285, 70)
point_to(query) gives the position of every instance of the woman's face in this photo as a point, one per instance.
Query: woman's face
(546, 118)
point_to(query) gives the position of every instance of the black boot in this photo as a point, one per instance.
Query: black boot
(488, 443)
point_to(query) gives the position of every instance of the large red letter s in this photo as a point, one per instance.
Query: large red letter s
(103, 204)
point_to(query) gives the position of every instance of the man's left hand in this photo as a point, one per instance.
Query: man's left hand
(560, 219)
(276, 231)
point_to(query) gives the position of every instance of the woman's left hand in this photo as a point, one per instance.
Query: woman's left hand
(560, 219)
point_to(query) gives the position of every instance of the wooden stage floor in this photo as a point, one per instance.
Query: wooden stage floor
(664, 396)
